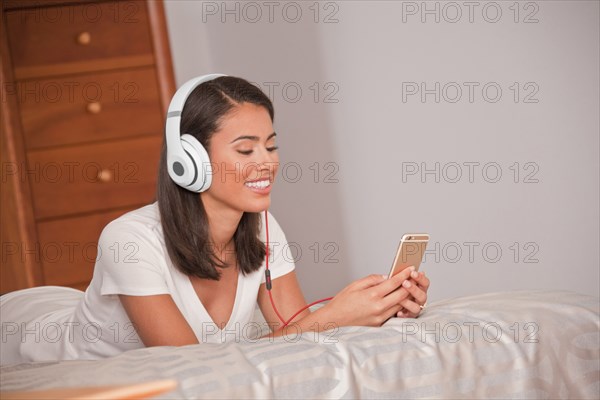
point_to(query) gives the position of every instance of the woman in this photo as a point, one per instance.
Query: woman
(190, 266)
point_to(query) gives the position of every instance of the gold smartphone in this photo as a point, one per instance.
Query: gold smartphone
(410, 252)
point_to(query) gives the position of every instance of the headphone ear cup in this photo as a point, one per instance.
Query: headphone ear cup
(199, 163)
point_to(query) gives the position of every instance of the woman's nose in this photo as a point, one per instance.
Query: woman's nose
(267, 157)
(267, 160)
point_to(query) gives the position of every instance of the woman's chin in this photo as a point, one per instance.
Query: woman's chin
(258, 205)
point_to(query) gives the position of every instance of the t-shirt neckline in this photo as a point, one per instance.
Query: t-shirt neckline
(200, 305)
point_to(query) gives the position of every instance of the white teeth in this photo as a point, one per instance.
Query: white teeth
(258, 184)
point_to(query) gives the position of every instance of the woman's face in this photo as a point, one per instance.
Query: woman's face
(244, 160)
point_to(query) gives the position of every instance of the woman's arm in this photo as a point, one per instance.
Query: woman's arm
(369, 301)
(287, 296)
(158, 321)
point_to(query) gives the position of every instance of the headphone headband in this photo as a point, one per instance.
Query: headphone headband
(178, 100)
(188, 162)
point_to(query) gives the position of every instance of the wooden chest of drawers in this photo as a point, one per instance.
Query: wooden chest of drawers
(85, 88)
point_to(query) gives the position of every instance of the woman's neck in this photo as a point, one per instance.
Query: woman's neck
(222, 224)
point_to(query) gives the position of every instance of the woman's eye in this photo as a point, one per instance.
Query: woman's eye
(248, 152)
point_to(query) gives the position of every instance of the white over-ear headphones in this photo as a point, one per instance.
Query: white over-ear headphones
(187, 160)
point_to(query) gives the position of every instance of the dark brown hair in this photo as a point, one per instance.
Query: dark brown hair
(182, 214)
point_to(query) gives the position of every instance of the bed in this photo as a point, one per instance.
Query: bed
(513, 344)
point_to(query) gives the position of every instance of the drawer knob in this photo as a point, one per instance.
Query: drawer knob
(94, 108)
(105, 175)
(84, 38)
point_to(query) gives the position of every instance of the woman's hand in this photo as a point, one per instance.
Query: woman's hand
(417, 286)
(370, 301)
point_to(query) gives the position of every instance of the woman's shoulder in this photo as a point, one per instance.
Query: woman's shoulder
(141, 222)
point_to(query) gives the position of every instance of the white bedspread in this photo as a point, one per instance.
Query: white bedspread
(521, 344)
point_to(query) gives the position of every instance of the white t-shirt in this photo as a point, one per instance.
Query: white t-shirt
(133, 260)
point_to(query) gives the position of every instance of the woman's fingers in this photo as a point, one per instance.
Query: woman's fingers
(395, 298)
(402, 289)
(392, 310)
(417, 288)
(406, 314)
(411, 306)
(389, 285)
(419, 294)
(421, 280)
(367, 282)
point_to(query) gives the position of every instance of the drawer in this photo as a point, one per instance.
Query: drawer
(92, 178)
(10, 4)
(78, 38)
(68, 247)
(90, 107)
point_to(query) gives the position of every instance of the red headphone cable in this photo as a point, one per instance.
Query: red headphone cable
(268, 284)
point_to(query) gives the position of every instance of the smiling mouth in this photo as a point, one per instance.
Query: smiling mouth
(262, 184)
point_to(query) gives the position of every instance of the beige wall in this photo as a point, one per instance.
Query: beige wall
(369, 134)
